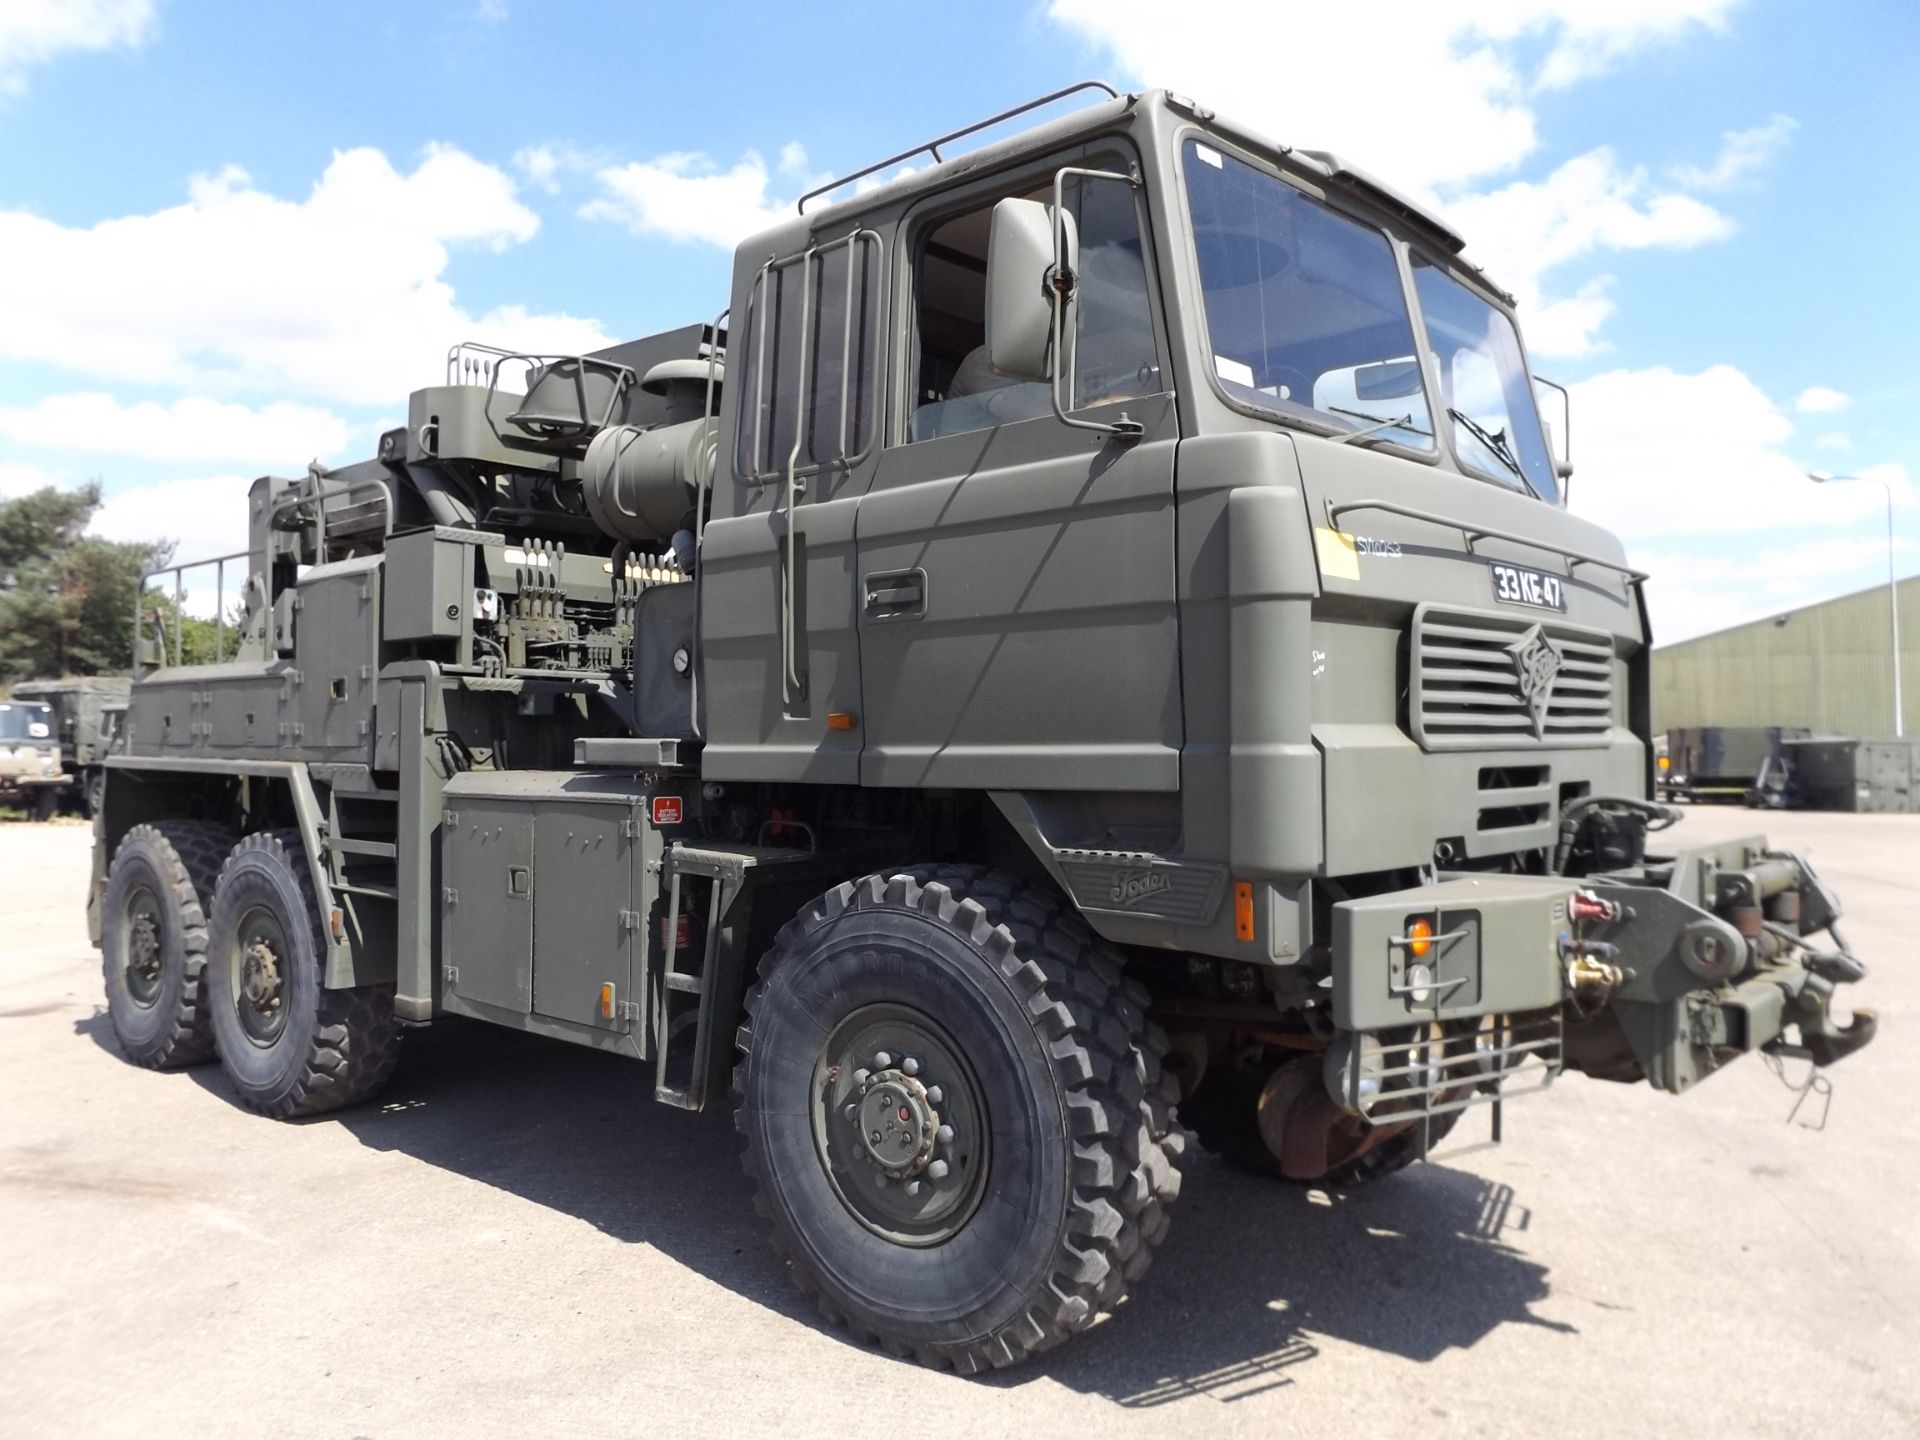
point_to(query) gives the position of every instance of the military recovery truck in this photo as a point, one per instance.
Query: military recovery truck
(88, 712)
(30, 773)
(1092, 627)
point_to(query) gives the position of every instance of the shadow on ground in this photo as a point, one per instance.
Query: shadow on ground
(1254, 1273)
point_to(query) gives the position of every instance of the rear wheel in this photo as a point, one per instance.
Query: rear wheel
(953, 1115)
(45, 803)
(153, 940)
(289, 1045)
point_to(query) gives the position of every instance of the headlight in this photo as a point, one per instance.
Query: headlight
(1352, 1075)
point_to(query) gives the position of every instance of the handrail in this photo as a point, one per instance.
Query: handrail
(1481, 532)
(178, 572)
(932, 147)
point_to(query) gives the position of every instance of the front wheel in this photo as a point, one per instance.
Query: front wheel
(953, 1115)
(289, 1045)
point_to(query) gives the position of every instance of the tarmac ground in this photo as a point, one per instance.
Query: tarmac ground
(516, 1241)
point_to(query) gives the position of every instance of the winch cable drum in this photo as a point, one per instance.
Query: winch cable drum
(642, 482)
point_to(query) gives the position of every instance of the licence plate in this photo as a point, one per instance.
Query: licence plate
(1517, 585)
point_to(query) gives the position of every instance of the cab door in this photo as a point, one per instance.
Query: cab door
(779, 652)
(1015, 576)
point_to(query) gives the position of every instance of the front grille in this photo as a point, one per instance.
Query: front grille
(1480, 680)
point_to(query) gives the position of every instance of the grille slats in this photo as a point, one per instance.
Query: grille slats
(1465, 687)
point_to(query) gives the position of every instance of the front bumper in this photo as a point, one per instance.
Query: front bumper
(1664, 973)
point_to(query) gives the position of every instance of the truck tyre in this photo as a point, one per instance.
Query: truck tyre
(289, 1045)
(1224, 1116)
(896, 1016)
(45, 803)
(153, 940)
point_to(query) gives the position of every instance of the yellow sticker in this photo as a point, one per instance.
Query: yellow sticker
(1339, 560)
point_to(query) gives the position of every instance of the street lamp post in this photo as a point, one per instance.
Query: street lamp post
(1893, 591)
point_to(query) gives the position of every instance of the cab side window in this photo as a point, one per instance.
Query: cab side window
(809, 367)
(1115, 354)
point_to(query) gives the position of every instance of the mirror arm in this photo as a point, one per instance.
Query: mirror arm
(1562, 469)
(1062, 286)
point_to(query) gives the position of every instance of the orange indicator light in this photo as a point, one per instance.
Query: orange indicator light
(606, 1002)
(1421, 933)
(839, 720)
(1242, 910)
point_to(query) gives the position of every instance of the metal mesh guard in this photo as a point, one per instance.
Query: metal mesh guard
(1428, 1070)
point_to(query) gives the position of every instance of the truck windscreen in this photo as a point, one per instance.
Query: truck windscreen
(1486, 392)
(25, 723)
(1306, 314)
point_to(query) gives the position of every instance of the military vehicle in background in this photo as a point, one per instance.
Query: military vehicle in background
(30, 773)
(1093, 626)
(89, 714)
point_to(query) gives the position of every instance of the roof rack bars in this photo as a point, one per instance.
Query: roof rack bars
(932, 147)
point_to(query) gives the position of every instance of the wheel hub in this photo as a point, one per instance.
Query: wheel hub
(260, 977)
(258, 967)
(900, 1126)
(143, 957)
(896, 1123)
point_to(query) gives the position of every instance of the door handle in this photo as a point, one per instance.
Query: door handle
(896, 594)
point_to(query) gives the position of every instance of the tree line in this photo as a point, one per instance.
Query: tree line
(66, 597)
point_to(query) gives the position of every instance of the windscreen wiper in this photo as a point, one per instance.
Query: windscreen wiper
(1379, 423)
(1496, 445)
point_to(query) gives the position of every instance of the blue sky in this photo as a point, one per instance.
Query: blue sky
(235, 236)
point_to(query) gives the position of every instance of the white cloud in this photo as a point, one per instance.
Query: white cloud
(206, 516)
(32, 32)
(1832, 440)
(1591, 203)
(1421, 93)
(686, 196)
(545, 166)
(1660, 453)
(17, 479)
(1693, 593)
(1741, 153)
(1594, 36)
(340, 296)
(193, 429)
(1819, 400)
(1448, 101)
(491, 12)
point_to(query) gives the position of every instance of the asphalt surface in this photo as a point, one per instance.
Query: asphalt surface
(516, 1241)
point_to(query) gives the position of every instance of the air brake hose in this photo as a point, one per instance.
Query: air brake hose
(1659, 817)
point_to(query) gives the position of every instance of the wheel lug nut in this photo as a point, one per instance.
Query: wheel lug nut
(937, 1170)
(882, 1061)
(850, 1110)
(910, 1066)
(944, 1134)
(913, 1187)
(860, 1078)
(935, 1094)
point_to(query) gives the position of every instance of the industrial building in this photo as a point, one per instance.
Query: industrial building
(1827, 667)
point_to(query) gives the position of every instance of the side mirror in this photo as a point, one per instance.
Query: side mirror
(1020, 300)
(1561, 449)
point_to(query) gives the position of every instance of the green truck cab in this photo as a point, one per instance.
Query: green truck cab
(1091, 631)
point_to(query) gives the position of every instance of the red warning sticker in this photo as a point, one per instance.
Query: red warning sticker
(666, 810)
